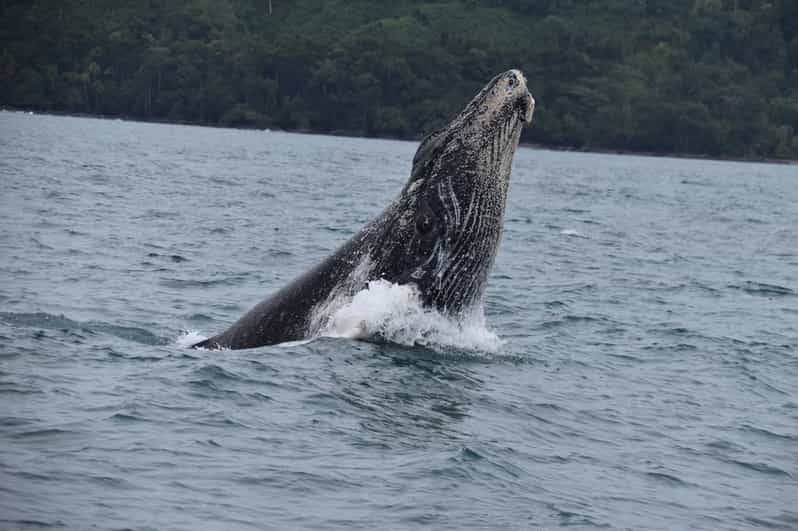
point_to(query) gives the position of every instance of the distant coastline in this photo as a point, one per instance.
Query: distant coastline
(416, 138)
(702, 78)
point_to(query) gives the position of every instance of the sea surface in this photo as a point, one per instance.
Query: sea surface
(637, 368)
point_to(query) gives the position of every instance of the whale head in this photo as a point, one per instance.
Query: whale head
(443, 231)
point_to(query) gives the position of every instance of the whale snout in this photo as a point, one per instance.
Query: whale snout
(505, 97)
(516, 83)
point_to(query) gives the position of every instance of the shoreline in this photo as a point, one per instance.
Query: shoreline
(350, 134)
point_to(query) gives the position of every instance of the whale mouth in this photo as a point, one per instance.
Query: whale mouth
(526, 108)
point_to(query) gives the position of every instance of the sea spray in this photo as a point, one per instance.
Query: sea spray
(394, 313)
(188, 338)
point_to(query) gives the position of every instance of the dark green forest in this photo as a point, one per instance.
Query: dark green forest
(705, 77)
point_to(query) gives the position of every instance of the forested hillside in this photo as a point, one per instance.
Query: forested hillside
(714, 77)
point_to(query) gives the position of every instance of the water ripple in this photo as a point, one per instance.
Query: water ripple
(643, 374)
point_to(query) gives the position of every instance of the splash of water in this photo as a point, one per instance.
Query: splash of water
(188, 338)
(394, 313)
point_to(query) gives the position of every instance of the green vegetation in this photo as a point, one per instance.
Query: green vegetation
(714, 77)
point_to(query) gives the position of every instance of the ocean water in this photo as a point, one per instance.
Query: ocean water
(637, 367)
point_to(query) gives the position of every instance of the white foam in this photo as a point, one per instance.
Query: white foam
(394, 313)
(297, 343)
(574, 233)
(188, 338)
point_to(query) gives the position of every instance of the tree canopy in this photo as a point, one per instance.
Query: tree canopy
(709, 77)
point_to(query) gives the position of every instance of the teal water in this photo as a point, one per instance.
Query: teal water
(640, 369)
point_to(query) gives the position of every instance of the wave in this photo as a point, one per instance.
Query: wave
(181, 283)
(762, 289)
(572, 233)
(42, 320)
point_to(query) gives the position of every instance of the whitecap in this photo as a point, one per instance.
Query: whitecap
(574, 233)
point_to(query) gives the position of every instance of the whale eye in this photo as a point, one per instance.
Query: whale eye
(424, 224)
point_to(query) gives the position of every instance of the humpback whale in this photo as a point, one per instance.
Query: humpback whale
(441, 233)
